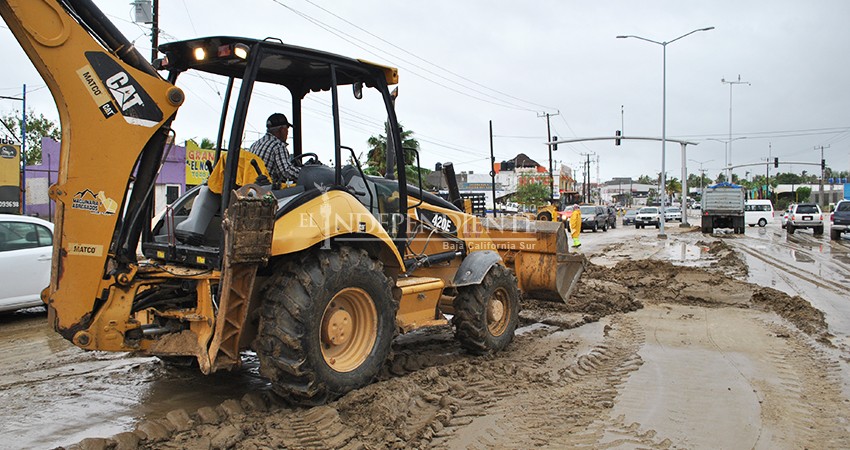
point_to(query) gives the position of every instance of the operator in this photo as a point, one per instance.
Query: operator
(271, 148)
(575, 225)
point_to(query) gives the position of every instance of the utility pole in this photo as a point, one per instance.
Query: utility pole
(729, 148)
(822, 167)
(767, 186)
(155, 31)
(493, 171)
(551, 174)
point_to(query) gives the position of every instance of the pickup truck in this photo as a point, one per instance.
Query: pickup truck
(723, 207)
(648, 215)
(840, 219)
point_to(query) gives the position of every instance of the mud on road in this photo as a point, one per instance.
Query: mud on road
(645, 354)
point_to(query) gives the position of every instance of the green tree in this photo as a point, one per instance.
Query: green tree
(803, 193)
(673, 186)
(376, 158)
(645, 179)
(37, 128)
(788, 178)
(532, 194)
(207, 144)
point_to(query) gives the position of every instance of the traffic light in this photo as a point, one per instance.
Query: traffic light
(554, 146)
(617, 133)
(823, 164)
(775, 162)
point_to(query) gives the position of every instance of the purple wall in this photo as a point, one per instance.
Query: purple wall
(173, 172)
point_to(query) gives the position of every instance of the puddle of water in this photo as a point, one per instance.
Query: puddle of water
(683, 251)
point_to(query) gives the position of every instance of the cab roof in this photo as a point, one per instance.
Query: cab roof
(298, 68)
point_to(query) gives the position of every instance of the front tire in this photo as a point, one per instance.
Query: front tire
(818, 231)
(327, 325)
(486, 314)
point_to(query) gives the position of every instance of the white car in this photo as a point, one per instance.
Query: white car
(26, 250)
(672, 213)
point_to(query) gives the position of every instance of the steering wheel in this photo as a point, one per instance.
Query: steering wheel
(297, 158)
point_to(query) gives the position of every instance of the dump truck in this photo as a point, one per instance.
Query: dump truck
(317, 276)
(723, 207)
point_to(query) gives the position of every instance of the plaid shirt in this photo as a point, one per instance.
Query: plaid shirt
(273, 152)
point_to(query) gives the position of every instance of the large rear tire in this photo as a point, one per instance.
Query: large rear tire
(486, 314)
(327, 325)
(545, 216)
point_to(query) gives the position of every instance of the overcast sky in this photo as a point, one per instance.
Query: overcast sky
(463, 64)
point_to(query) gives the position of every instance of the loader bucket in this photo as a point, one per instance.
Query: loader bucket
(538, 254)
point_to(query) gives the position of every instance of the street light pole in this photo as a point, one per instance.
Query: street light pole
(729, 148)
(663, 45)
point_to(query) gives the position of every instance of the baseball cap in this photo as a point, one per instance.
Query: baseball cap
(277, 120)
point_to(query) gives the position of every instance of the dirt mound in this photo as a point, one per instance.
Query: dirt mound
(657, 281)
(796, 310)
(727, 260)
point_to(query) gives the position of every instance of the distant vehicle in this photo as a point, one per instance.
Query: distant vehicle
(840, 219)
(648, 215)
(805, 215)
(723, 207)
(758, 212)
(629, 217)
(672, 213)
(26, 250)
(612, 216)
(785, 214)
(593, 218)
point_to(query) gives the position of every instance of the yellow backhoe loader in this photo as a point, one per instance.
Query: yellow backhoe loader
(317, 277)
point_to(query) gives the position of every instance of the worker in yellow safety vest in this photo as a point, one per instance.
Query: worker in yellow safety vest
(575, 225)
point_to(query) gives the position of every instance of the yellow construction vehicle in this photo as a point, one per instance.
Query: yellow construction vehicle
(316, 278)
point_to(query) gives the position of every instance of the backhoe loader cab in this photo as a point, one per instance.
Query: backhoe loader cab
(316, 277)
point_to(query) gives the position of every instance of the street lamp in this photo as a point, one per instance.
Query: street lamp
(664, 116)
(729, 151)
(701, 172)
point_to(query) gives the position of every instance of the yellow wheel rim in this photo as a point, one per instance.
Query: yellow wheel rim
(349, 329)
(498, 312)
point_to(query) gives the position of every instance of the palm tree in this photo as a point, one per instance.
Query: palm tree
(376, 159)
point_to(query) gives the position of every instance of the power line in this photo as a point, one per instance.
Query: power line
(348, 38)
(427, 61)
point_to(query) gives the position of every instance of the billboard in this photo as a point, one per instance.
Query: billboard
(196, 163)
(10, 179)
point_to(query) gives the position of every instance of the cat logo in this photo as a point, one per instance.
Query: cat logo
(123, 92)
(129, 98)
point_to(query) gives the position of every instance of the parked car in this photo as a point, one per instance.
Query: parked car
(805, 215)
(785, 215)
(648, 215)
(629, 217)
(612, 216)
(840, 219)
(594, 218)
(672, 213)
(758, 212)
(26, 249)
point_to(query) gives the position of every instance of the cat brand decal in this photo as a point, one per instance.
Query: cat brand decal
(132, 101)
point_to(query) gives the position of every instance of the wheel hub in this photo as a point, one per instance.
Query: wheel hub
(495, 311)
(338, 327)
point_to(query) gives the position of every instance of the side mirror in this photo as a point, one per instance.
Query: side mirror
(358, 90)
